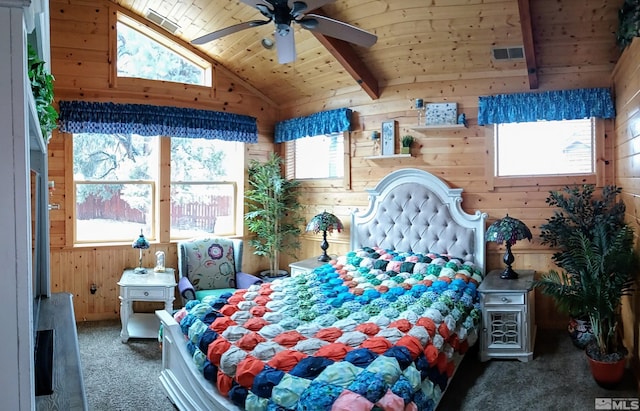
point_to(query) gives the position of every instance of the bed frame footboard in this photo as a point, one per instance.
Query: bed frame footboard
(185, 386)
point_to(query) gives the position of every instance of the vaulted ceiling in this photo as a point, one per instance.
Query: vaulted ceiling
(418, 41)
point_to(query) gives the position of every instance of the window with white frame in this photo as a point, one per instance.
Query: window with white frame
(545, 148)
(317, 157)
(117, 179)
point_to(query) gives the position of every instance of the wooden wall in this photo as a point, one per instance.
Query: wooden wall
(626, 80)
(79, 36)
(457, 156)
(82, 65)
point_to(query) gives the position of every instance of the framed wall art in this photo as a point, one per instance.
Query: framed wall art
(441, 113)
(388, 137)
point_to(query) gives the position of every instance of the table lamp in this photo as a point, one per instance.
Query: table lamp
(324, 222)
(140, 243)
(508, 230)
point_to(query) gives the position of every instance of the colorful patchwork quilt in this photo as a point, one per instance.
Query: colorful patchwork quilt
(373, 330)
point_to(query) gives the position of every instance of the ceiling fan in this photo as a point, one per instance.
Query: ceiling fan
(285, 12)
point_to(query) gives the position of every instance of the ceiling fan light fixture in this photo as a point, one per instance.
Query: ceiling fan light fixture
(267, 43)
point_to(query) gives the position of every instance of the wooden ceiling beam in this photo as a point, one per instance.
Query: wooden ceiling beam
(527, 38)
(347, 57)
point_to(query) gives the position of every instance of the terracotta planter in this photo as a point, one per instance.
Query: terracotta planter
(607, 374)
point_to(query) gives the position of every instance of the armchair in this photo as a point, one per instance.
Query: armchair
(211, 267)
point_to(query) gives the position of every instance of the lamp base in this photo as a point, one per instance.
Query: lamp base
(140, 270)
(324, 258)
(509, 274)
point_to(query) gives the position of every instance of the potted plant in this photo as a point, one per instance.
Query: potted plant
(579, 209)
(42, 87)
(598, 271)
(406, 144)
(272, 212)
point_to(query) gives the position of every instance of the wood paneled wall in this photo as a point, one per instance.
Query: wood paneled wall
(79, 37)
(83, 67)
(457, 156)
(626, 81)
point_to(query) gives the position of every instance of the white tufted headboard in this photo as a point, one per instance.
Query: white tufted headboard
(413, 210)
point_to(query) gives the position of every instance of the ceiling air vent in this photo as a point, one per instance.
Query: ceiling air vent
(162, 21)
(508, 53)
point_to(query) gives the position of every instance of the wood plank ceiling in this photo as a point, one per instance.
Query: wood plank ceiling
(418, 41)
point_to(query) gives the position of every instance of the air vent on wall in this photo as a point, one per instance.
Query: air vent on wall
(162, 21)
(508, 53)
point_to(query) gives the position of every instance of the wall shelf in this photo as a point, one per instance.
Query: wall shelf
(438, 127)
(380, 157)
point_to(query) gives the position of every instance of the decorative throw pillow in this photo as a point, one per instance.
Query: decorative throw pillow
(211, 264)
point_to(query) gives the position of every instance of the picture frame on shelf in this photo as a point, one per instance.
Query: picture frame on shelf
(388, 143)
(441, 114)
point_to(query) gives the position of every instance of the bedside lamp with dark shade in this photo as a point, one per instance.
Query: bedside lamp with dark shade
(140, 243)
(325, 222)
(508, 230)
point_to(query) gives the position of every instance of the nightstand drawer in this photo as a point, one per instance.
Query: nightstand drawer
(145, 293)
(503, 298)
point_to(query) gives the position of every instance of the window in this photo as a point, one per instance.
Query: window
(117, 187)
(203, 186)
(143, 53)
(316, 157)
(115, 180)
(551, 147)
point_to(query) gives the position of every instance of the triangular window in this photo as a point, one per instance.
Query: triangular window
(145, 53)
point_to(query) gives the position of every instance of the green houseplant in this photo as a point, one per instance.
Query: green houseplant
(273, 211)
(42, 89)
(581, 209)
(598, 271)
(406, 144)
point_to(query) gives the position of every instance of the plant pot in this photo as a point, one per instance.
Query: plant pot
(579, 329)
(271, 274)
(607, 374)
(405, 150)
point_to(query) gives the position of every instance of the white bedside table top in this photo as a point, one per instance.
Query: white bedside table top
(309, 263)
(151, 278)
(493, 283)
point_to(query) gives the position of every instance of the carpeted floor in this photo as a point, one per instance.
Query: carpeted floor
(125, 376)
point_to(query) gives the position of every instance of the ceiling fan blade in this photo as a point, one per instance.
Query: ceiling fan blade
(229, 30)
(286, 47)
(309, 5)
(339, 30)
(254, 3)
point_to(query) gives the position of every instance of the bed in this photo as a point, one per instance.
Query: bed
(382, 327)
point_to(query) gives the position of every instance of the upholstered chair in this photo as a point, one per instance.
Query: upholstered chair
(211, 267)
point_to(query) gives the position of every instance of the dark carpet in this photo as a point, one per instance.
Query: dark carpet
(121, 376)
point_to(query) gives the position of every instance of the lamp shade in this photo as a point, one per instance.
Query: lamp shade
(140, 243)
(508, 230)
(324, 222)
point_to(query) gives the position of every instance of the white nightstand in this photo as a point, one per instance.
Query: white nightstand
(508, 316)
(152, 286)
(304, 266)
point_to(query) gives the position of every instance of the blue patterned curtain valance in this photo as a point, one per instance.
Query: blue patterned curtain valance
(147, 120)
(324, 122)
(549, 105)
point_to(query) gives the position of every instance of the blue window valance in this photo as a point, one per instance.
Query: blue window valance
(147, 120)
(548, 105)
(324, 122)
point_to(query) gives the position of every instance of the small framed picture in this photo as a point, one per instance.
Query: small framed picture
(388, 137)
